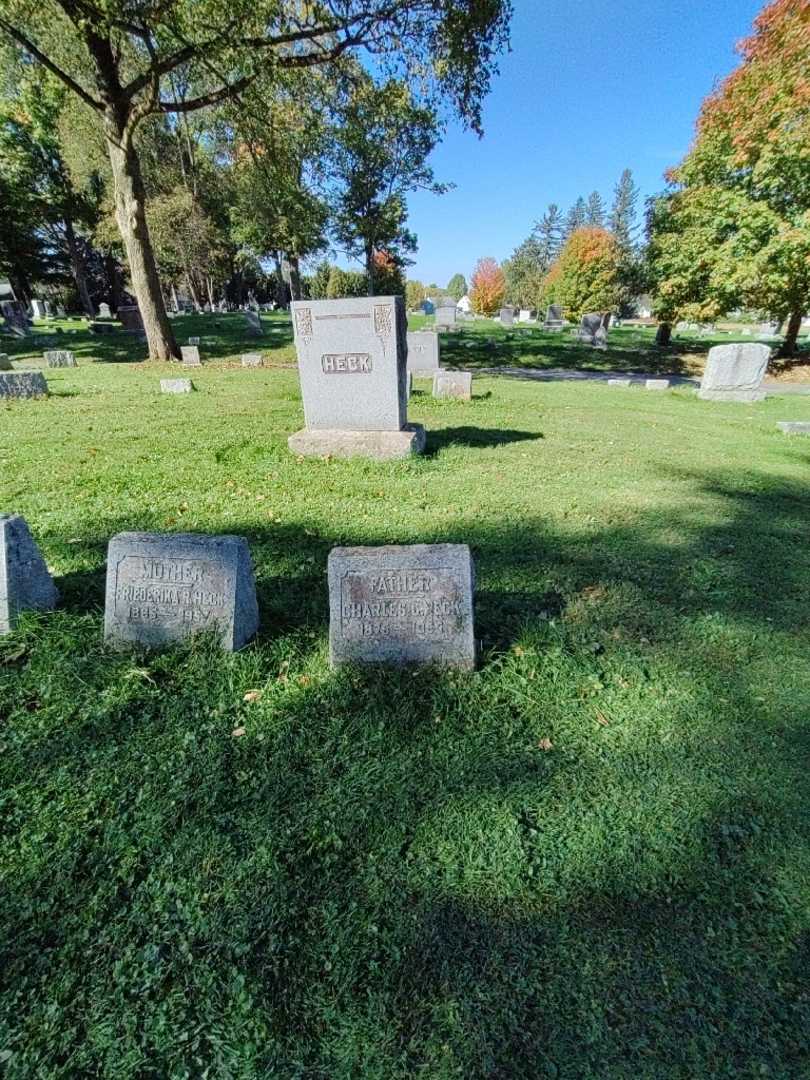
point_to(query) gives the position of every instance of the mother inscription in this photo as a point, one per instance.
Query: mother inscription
(402, 605)
(162, 588)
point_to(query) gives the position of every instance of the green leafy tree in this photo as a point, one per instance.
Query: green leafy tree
(585, 278)
(344, 283)
(382, 143)
(734, 228)
(457, 286)
(415, 293)
(122, 58)
(319, 282)
(524, 272)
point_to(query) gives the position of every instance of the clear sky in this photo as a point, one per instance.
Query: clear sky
(591, 87)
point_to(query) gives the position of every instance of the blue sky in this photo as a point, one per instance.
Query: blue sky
(589, 88)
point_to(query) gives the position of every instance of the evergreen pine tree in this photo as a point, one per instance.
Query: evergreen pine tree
(622, 219)
(549, 234)
(575, 218)
(595, 211)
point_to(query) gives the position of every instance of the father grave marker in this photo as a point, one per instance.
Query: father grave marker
(401, 605)
(162, 588)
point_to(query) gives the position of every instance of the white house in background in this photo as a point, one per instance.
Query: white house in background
(464, 304)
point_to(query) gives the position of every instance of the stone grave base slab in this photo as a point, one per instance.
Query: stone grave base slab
(732, 395)
(377, 445)
(794, 427)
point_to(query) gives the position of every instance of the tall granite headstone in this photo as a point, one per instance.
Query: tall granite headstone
(38, 308)
(446, 314)
(402, 605)
(423, 351)
(130, 318)
(507, 316)
(735, 372)
(162, 588)
(352, 367)
(25, 584)
(254, 322)
(554, 318)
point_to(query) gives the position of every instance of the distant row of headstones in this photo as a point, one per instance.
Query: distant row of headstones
(410, 604)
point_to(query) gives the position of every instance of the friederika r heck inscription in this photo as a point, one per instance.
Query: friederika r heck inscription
(164, 588)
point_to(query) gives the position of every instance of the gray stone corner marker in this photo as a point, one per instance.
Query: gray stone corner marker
(25, 584)
(734, 372)
(402, 605)
(60, 358)
(352, 367)
(164, 587)
(190, 355)
(23, 384)
(794, 427)
(656, 384)
(176, 386)
(453, 384)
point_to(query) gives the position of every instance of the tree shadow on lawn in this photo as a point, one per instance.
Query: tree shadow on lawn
(439, 439)
(538, 350)
(405, 882)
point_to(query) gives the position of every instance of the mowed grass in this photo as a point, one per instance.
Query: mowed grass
(591, 858)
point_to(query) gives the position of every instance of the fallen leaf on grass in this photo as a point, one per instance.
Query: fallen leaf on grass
(602, 719)
(252, 695)
(237, 731)
(545, 744)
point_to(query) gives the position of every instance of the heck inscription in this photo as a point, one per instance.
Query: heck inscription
(188, 592)
(346, 363)
(402, 604)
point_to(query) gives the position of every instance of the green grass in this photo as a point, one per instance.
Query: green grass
(387, 876)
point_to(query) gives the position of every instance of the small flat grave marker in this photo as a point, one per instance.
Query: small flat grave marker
(402, 605)
(176, 386)
(620, 382)
(794, 427)
(453, 384)
(656, 384)
(190, 355)
(163, 588)
(55, 358)
(25, 584)
(23, 384)
(252, 359)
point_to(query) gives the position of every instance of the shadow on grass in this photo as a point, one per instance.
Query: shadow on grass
(442, 438)
(387, 876)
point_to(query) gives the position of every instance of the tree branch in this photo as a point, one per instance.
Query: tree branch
(214, 98)
(31, 48)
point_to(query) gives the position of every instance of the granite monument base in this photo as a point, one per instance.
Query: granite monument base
(732, 395)
(377, 445)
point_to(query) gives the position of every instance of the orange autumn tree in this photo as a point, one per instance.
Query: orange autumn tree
(585, 277)
(487, 287)
(734, 228)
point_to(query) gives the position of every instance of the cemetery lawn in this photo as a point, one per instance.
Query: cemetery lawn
(591, 858)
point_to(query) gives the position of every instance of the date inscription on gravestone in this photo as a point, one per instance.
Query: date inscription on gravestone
(402, 605)
(149, 590)
(346, 363)
(161, 588)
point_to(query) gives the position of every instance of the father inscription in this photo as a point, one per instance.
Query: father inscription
(402, 605)
(162, 588)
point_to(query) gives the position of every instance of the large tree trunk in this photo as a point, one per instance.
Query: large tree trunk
(295, 277)
(370, 268)
(663, 334)
(77, 267)
(130, 211)
(794, 325)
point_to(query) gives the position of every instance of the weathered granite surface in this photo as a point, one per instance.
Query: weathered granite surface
(25, 584)
(56, 358)
(734, 372)
(23, 384)
(453, 384)
(165, 587)
(176, 386)
(656, 384)
(402, 605)
(5, 362)
(794, 427)
(423, 351)
(377, 445)
(190, 355)
(252, 359)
